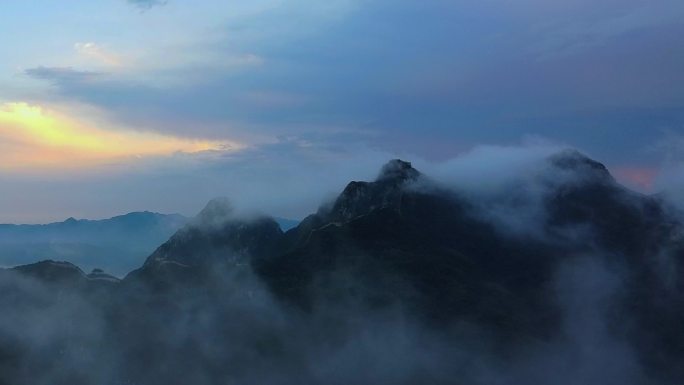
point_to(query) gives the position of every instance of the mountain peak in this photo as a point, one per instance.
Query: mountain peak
(397, 169)
(576, 162)
(217, 211)
(360, 198)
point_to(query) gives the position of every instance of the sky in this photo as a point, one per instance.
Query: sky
(115, 106)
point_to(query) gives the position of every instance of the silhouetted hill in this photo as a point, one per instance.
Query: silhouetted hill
(117, 245)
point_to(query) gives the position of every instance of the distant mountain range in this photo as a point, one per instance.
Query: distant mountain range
(564, 278)
(116, 245)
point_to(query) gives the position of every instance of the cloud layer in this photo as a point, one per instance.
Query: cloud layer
(347, 80)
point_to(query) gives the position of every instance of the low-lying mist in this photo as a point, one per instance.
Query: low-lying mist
(235, 332)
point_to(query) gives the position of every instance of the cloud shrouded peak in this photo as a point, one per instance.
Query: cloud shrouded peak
(218, 211)
(579, 164)
(397, 169)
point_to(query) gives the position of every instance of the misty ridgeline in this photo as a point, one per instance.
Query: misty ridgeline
(557, 275)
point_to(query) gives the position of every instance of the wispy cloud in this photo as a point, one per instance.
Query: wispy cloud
(146, 4)
(59, 75)
(99, 54)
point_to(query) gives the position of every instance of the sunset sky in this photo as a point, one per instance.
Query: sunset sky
(113, 106)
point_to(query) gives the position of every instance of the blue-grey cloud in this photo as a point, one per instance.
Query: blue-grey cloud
(63, 76)
(465, 73)
(146, 4)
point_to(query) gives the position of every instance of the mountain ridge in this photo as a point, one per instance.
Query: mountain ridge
(598, 270)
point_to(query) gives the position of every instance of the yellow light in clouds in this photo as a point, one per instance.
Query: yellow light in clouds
(31, 137)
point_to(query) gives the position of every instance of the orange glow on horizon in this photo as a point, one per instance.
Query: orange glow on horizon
(642, 178)
(33, 138)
